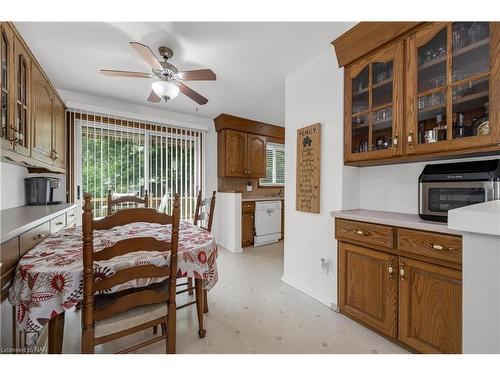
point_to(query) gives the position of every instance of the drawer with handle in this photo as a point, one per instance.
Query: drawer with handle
(433, 245)
(31, 238)
(248, 207)
(71, 216)
(369, 233)
(57, 223)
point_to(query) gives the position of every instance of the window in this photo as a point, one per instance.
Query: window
(275, 165)
(129, 157)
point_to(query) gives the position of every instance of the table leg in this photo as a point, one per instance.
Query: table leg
(205, 301)
(198, 286)
(56, 333)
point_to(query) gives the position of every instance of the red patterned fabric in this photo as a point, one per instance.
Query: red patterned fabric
(49, 278)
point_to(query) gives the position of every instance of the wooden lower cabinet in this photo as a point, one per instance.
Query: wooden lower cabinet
(430, 307)
(368, 287)
(415, 302)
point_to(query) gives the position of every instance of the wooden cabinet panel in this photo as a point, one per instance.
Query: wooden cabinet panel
(43, 116)
(368, 287)
(57, 223)
(59, 134)
(248, 207)
(432, 245)
(9, 255)
(247, 229)
(31, 238)
(430, 307)
(235, 154)
(373, 105)
(256, 155)
(7, 85)
(368, 233)
(22, 99)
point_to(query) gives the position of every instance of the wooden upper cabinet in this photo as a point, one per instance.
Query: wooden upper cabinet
(430, 307)
(241, 154)
(453, 87)
(373, 99)
(23, 99)
(368, 287)
(235, 153)
(256, 155)
(7, 91)
(43, 117)
(59, 134)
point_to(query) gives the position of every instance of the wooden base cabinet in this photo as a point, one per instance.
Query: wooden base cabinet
(247, 223)
(430, 307)
(406, 293)
(368, 287)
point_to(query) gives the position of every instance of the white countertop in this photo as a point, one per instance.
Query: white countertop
(482, 218)
(261, 199)
(395, 219)
(17, 220)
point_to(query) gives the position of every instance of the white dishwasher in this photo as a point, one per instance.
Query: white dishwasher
(267, 222)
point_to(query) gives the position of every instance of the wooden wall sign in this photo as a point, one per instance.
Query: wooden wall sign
(308, 169)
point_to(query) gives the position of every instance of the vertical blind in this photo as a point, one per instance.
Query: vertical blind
(275, 165)
(129, 158)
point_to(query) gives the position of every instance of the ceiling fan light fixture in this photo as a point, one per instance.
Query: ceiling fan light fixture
(165, 89)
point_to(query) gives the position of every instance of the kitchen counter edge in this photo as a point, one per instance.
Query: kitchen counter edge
(17, 220)
(396, 219)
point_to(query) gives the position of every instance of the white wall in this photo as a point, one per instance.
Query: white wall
(12, 185)
(314, 93)
(227, 221)
(394, 187)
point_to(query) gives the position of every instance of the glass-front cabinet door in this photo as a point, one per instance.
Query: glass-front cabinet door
(6, 89)
(453, 89)
(374, 105)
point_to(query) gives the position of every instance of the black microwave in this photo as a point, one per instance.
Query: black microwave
(443, 187)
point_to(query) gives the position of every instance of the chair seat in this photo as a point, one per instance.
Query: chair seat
(130, 318)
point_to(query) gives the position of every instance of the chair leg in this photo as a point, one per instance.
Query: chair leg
(163, 329)
(190, 286)
(155, 330)
(205, 301)
(171, 327)
(200, 306)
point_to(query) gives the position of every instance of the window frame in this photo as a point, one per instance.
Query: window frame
(273, 146)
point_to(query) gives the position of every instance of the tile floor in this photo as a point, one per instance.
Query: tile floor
(253, 311)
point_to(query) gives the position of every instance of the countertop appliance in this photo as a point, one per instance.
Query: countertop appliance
(443, 187)
(40, 190)
(267, 222)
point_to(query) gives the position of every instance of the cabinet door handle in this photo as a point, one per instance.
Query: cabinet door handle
(390, 269)
(437, 246)
(59, 223)
(410, 139)
(395, 141)
(402, 271)
(360, 232)
(39, 236)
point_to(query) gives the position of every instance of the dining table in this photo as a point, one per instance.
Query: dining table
(49, 278)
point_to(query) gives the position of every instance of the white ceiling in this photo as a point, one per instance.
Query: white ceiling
(251, 60)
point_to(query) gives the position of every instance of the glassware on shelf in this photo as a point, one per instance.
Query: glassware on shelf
(475, 33)
(482, 125)
(382, 114)
(440, 129)
(459, 36)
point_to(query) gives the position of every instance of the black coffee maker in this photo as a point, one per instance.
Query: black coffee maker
(40, 190)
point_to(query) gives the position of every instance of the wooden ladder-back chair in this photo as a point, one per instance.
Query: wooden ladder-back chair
(106, 317)
(203, 217)
(126, 199)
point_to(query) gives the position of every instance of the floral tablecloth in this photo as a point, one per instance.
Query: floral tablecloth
(49, 278)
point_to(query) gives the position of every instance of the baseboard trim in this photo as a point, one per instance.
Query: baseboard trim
(235, 251)
(320, 298)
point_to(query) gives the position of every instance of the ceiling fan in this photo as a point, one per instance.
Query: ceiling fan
(168, 85)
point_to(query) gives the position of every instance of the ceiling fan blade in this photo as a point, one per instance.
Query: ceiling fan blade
(197, 75)
(190, 93)
(153, 97)
(124, 73)
(147, 54)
